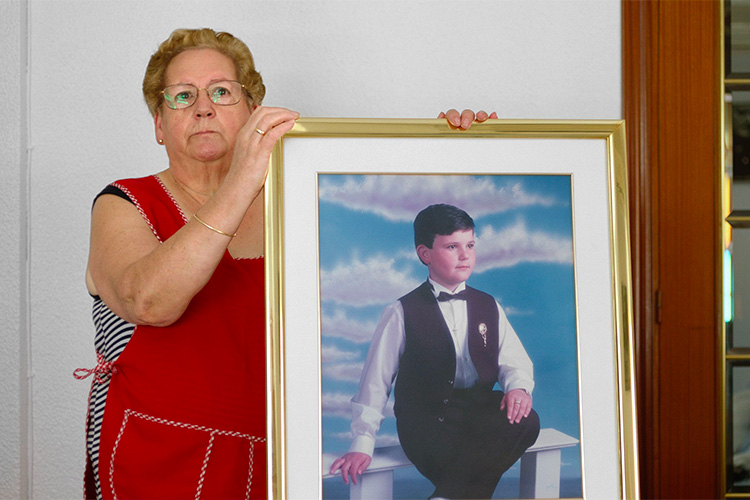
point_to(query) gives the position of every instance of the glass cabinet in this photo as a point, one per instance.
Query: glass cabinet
(736, 249)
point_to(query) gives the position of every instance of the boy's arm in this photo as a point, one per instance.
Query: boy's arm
(515, 369)
(515, 372)
(368, 405)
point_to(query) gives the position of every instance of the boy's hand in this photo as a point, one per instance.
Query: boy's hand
(518, 404)
(352, 464)
(464, 120)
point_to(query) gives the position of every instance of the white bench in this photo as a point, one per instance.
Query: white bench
(540, 469)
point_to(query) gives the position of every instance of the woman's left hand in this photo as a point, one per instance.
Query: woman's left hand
(465, 119)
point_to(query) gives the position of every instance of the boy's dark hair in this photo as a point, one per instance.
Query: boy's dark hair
(439, 219)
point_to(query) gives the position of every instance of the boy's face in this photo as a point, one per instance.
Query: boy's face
(451, 258)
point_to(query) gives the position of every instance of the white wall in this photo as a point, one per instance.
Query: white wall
(88, 126)
(13, 396)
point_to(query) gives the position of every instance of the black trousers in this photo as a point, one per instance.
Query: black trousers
(465, 447)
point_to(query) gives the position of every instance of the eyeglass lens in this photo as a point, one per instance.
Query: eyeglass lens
(184, 95)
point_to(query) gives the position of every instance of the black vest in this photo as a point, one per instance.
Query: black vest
(428, 364)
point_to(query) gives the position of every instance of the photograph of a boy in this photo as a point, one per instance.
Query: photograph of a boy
(446, 345)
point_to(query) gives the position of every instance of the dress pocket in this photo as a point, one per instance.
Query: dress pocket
(159, 458)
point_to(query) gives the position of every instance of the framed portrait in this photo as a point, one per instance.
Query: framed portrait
(549, 204)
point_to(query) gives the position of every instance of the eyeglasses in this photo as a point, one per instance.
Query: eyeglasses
(184, 95)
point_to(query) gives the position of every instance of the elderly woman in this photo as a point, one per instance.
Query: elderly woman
(176, 272)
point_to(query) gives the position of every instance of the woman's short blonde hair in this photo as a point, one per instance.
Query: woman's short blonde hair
(186, 39)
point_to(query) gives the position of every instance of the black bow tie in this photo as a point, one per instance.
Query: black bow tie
(443, 296)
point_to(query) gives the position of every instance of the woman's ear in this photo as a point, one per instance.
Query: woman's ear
(157, 128)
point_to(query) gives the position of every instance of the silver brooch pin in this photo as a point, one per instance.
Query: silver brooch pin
(483, 333)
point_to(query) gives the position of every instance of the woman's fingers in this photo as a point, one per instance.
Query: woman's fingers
(465, 119)
(271, 123)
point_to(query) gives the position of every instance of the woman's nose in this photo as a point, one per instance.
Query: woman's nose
(204, 106)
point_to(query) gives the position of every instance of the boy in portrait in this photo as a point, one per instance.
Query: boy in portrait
(449, 344)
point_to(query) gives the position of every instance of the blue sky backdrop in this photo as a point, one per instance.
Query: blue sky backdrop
(524, 253)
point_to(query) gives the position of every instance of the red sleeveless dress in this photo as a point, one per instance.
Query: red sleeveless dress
(185, 415)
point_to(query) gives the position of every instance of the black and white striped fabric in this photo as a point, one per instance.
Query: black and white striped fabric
(111, 337)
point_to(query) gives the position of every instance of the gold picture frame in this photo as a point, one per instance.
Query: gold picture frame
(590, 153)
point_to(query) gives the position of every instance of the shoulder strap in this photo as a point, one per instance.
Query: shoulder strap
(155, 203)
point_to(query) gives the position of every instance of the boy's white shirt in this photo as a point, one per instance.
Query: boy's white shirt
(515, 369)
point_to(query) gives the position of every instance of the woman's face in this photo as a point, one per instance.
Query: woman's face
(205, 131)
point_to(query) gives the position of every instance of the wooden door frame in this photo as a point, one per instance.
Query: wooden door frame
(671, 104)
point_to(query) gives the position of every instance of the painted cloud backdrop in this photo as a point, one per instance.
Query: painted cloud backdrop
(524, 252)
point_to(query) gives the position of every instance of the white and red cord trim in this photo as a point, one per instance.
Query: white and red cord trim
(102, 371)
(169, 194)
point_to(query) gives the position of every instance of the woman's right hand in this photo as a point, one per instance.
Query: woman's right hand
(255, 142)
(352, 464)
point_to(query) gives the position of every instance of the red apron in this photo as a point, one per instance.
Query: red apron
(185, 415)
